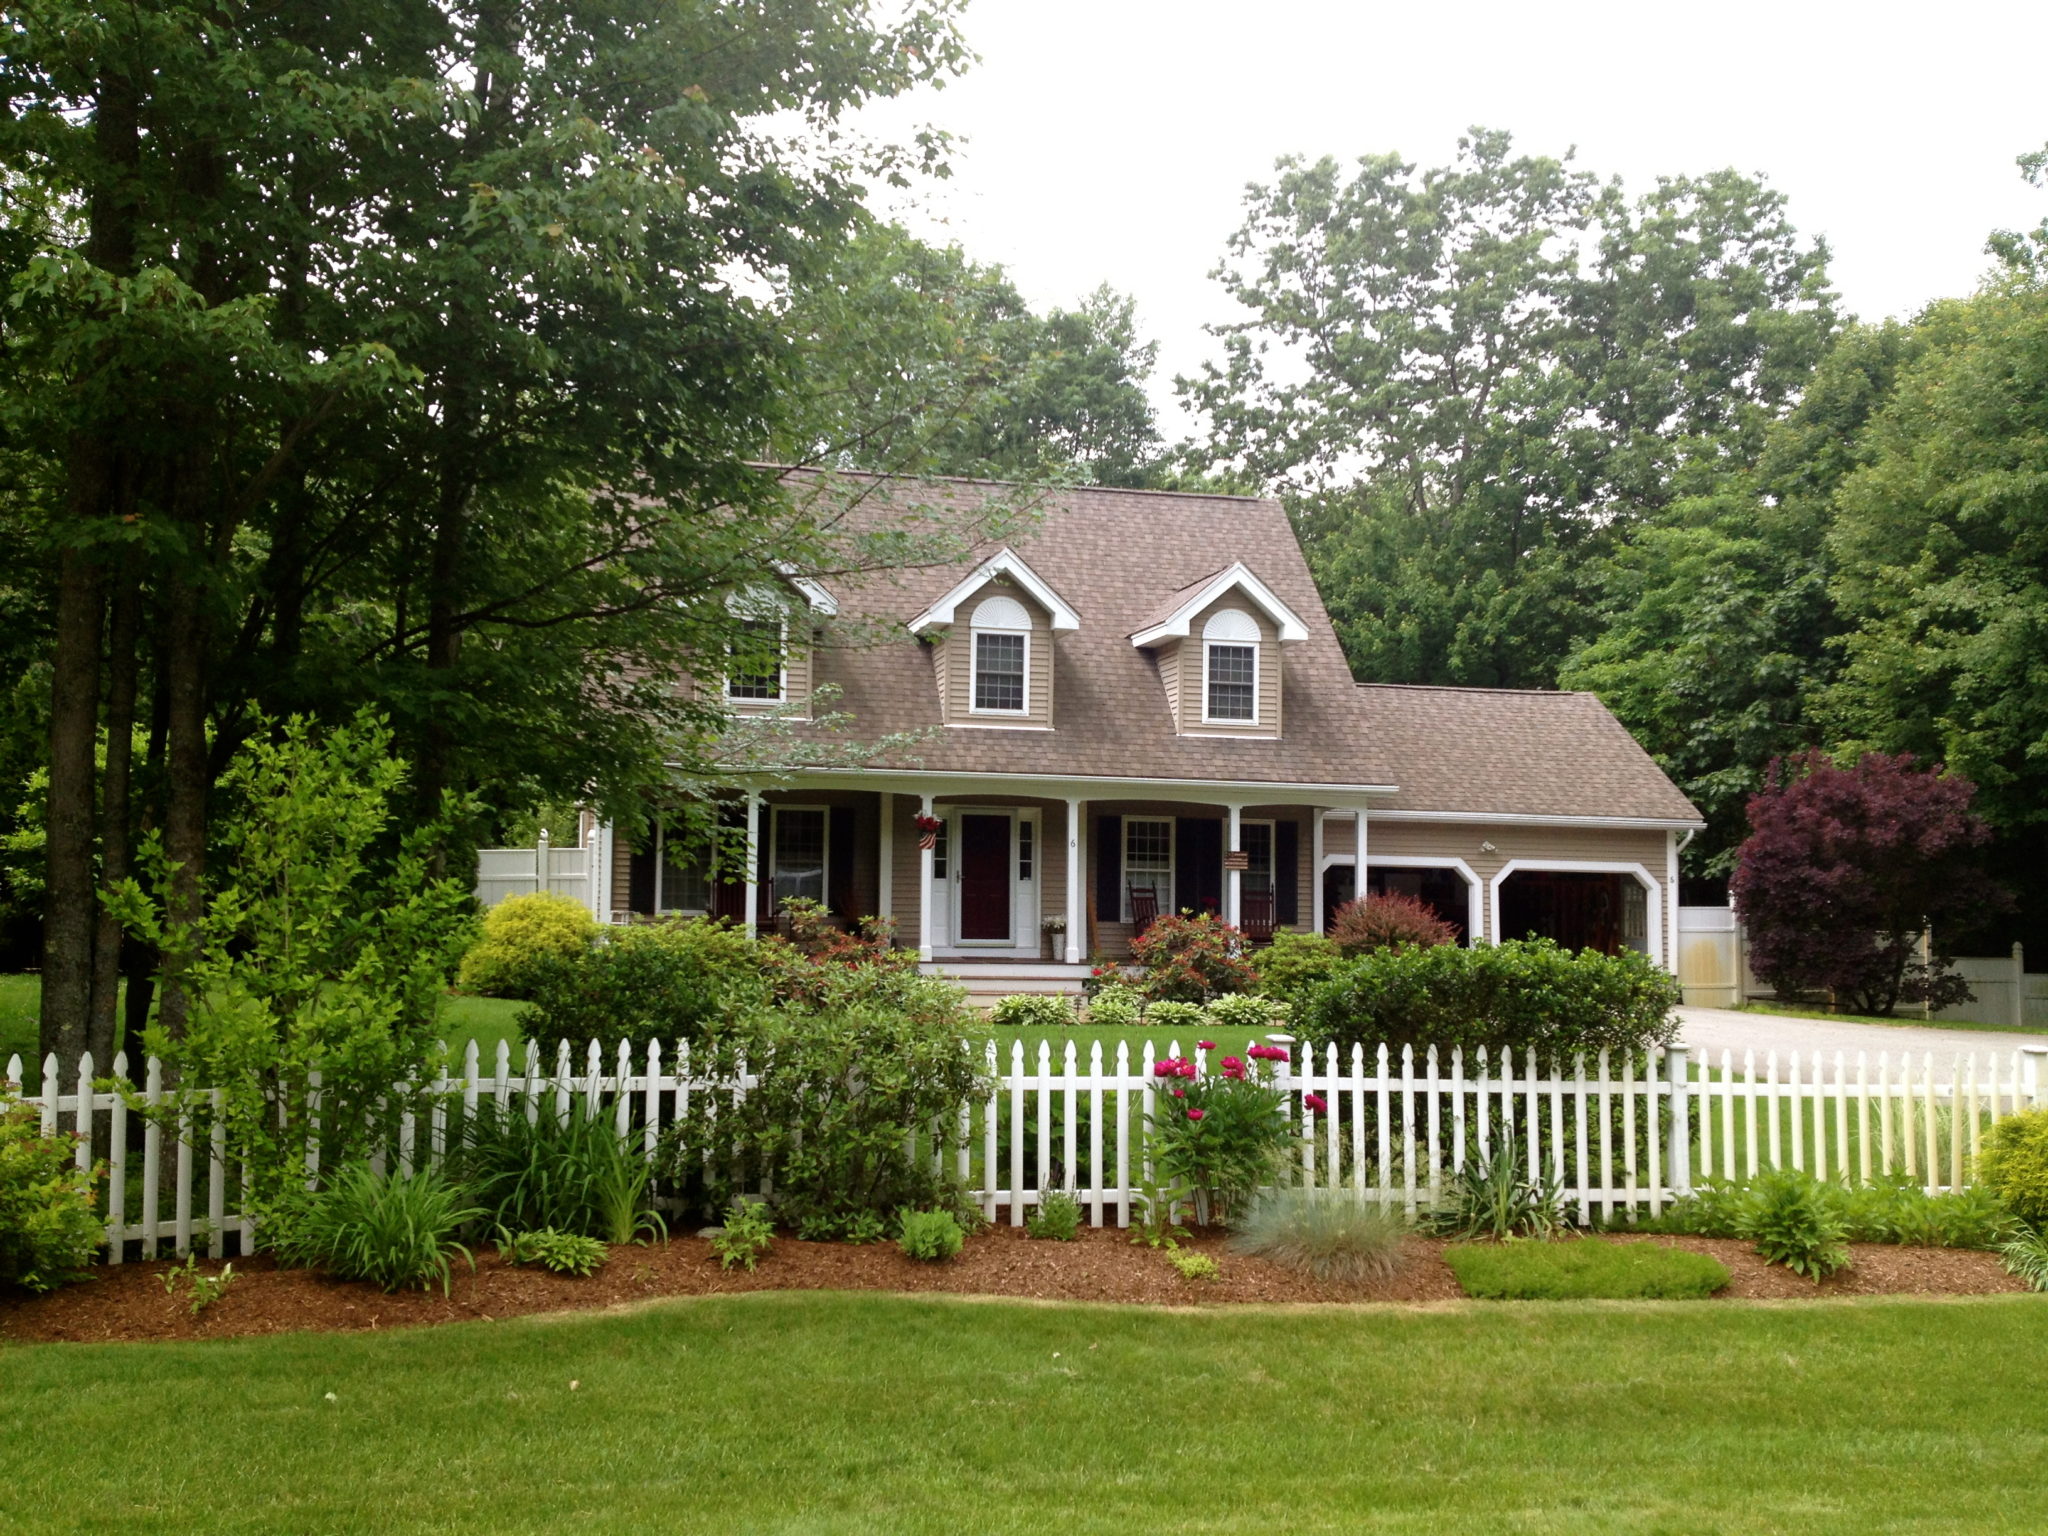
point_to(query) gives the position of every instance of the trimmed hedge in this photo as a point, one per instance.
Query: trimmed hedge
(1526, 992)
(1584, 1269)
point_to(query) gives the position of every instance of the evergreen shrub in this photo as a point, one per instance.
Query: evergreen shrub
(518, 935)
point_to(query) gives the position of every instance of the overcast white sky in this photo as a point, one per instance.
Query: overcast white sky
(1110, 140)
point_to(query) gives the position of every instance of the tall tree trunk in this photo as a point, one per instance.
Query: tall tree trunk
(116, 798)
(68, 909)
(186, 769)
(74, 732)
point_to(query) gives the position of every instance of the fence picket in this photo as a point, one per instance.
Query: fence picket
(1382, 1082)
(1016, 1190)
(1458, 1111)
(1359, 1167)
(1095, 1178)
(181, 1237)
(217, 1176)
(988, 1147)
(1434, 1187)
(1123, 1128)
(1933, 1127)
(152, 1155)
(1653, 1075)
(117, 1166)
(1408, 1129)
(1607, 1140)
(1070, 1168)
(1044, 1123)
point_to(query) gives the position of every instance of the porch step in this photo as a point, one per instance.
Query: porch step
(987, 980)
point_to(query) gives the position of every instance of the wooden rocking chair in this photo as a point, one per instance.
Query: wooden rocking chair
(1144, 907)
(1255, 908)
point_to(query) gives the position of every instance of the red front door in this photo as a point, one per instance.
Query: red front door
(984, 878)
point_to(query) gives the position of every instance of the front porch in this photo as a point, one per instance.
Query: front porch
(1018, 888)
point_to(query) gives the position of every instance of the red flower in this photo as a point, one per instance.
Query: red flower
(1195, 1114)
(1205, 1045)
(1180, 1093)
(1316, 1103)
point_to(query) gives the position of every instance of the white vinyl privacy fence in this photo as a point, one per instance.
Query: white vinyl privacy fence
(1617, 1137)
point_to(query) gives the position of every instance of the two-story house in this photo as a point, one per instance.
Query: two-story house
(1141, 707)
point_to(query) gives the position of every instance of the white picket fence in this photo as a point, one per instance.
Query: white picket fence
(1616, 1137)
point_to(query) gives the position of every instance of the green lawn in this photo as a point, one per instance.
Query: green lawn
(824, 1412)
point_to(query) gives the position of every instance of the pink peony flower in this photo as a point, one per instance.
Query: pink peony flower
(1180, 1093)
(1268, 1053)
(1195, 1114)
(1205, 1045)
(1316, 1103)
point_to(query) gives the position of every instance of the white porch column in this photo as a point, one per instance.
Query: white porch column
(1233, 879)
(924, 888)
(885, 860)
(753, 870)
(1315, 869)
(596, 894)
(1077, 879)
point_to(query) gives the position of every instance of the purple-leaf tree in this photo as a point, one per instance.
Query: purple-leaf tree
(1844, 870)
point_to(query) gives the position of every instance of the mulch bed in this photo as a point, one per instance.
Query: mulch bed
(129, 1302)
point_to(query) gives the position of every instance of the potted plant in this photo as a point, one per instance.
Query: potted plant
(1054, 929)
(928, 828)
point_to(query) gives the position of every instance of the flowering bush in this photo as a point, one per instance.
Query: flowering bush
(1219, 1134)
(1192, 959)
(1387, 922)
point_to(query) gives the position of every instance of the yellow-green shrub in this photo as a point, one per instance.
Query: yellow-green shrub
(521, 933)
(2014, 1164)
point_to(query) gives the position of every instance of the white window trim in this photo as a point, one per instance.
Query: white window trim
(661, 863)
(781, 672)
(974, 673)
(1172, 826)
(775, 850)
(1258, 677)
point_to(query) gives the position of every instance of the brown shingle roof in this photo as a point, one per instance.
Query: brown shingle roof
(1118, 558)
(1514, 753)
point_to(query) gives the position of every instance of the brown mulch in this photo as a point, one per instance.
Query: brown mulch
(129, 1301)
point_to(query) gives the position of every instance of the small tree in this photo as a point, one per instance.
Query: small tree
(1845, 868)
(1191, 959)
(323, 948)
(1387, 922)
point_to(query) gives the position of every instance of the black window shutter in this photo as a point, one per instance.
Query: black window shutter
(764, 859)
(839, 892)
(1109, 869)
(640, 876)
(1287, 872)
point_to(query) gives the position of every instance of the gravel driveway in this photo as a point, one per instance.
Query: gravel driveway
(1715, 1030)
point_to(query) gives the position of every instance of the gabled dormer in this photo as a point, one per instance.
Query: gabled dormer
(1218, 643)
(991, 640)
(768, 661)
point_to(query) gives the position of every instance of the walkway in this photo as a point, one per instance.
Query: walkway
(1715, 1030)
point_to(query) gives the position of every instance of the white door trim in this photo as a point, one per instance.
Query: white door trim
(1654, 903)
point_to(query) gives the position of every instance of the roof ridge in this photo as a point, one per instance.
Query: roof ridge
(1540, 693)
(1028, 485)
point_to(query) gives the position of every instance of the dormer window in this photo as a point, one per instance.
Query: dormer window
(757, 670)
(1001, 631)
(1230, 668)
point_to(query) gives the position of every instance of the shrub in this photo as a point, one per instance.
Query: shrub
(2027, 1256)
(1172, 1015)
(2014, 1164)
(1793, 1223)
(48, 1228)
(665, 981)
(1388, 922)
(748, 1232)
(1246, 1011)
(519, 934)
(1028, 1010)
(565, 1173)
(1324, 1233)
(1192, 959)
(1495, 1197)
(930, 1236)
(1116, 1006)
(1293, 965)
(1585, 1269)
(563, 1253)
(1195, 1266)
(840, 1116)
(393, 1232)
(1219, 1134)
(1057, 1217)
(1514, 995)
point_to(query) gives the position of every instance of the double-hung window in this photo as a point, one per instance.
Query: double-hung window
(999, 672)
(1148, 859)
(799, 853)
(755, 668)
(1230, 668)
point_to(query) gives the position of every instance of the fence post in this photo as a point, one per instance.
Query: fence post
(2019, 985)
(2032, 1090)
(1678, 1151)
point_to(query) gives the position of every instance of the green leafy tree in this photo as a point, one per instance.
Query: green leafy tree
(322, 957)
(1478, 379)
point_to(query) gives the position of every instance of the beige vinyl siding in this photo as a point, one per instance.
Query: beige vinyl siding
(1193, 674)
(956, 674)
(622, 875)
(1168, 657)
(1530, 844)
(1340, 836)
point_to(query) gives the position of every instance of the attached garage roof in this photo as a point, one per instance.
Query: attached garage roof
(1514, 752)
